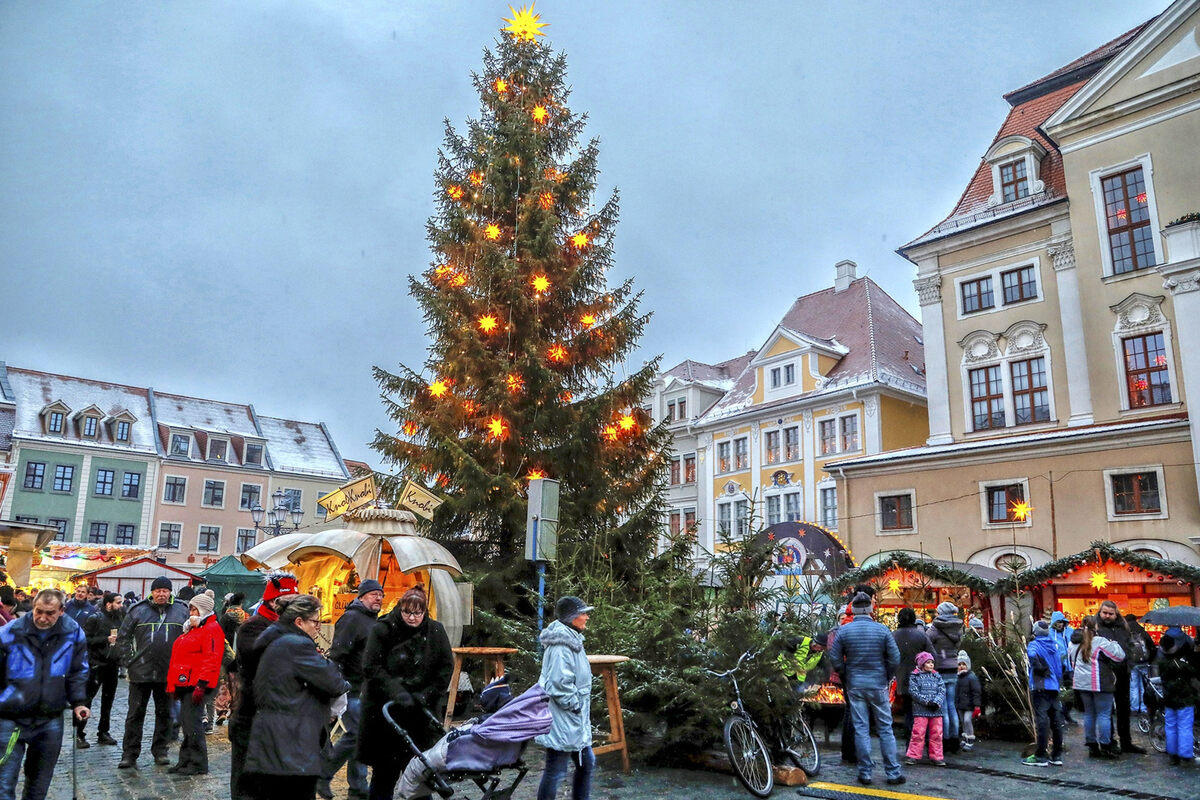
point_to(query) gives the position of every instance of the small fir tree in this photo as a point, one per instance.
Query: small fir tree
(524, 374)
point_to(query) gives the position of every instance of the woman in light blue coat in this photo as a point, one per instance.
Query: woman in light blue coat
(567, 679)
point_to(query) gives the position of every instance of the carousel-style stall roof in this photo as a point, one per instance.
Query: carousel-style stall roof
(1098, 553)
(273, 553)
(952, 573)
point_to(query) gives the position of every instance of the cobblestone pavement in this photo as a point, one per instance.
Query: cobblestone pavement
(993, 769)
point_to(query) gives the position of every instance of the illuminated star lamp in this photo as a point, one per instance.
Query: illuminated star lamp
(515, 382)
(455, 191)
(410, 428)
(525, 26)
(610, 432)
(540, 283)
(894, 585)
(458, 280)
(491, 232)
(546, 200)
(497, 428)
(535, 474)
(1099, 580)
(539, 114)
(476, 178)
(439, 387)
(588, 320)
(626, 422)
(557, 353)
(1021, 510)
(580, 240)
(488, 323)
(500, 85)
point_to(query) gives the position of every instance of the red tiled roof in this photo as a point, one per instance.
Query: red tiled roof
(357, 468)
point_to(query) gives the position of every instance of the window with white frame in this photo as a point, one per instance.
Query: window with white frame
(848, 428)
(91, 427)
(254, 455)
(321, 511)
(217, 449)
(54, 422)
(181, 444)
(689, 468)
(131, 485)
(673, 472)
(1135, 493)
(724, 462)
(791, 443)
(1004, 503)
(246, 539)
(174, 489)
(741, 518)
(838, 434)
(1000, 287)
(1127, 217)
(774, 509)
(776, 377)
(251, 496)
(689, 520)
(293, 499)
(675, 522)
(827, 436)
(741, 453)
(725, 518)
(829, 507)
(104, 482)
(1009, 387)
(791, 507)
(789, 374)
(122, 434)
(214, 494)
(169, 534)
(1144, 349)
(895, 512)
(209, 540)
(772, 453)
(1016, 162)
(64, 477)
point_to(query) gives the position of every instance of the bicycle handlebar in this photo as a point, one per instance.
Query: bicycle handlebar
(748, 655)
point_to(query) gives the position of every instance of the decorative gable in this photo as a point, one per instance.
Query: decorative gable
(54, 416)
(1016, 163)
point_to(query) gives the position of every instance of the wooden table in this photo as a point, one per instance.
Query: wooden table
(606, 668)
(493, 667)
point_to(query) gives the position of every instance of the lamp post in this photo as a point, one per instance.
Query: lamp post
(277, 517)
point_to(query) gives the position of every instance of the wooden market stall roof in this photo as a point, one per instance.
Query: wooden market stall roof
(1098, 553)
(952, 573)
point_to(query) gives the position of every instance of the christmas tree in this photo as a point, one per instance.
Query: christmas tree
(524, 375)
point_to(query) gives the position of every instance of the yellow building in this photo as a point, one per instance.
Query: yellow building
(842, 373)
(1057, 362)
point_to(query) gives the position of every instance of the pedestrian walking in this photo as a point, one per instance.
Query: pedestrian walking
(968, 700)
(144, 642)
(1045, 679)
(44, 656)
(279, 585)
(945, 634)
(567, 679)
(865, 654)
(1111, 625)
(1061, 632)
(103, 662)
(294, 689)
(1093, 657)
(911, 639)
(192, 676)
(1181, 693)
(350, 636)
(1142, 645)
(407, 661)
(78, 607)
(928, 694)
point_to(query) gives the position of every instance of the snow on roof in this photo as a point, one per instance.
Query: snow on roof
(214, 416)
(720, 376)
(301, 447)
(881, 340)
(35, 390)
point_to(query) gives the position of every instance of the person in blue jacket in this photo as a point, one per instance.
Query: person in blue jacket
(567, 679)
(1061, 632)
(1045, 679)
(44, 666)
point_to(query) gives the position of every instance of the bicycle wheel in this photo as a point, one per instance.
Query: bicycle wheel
(800, 746)
(749, 756)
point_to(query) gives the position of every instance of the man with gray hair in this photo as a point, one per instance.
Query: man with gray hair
(865, 655)
(43, 656)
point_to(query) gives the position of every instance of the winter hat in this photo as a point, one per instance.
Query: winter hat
(861, 604)
(279, 584)
(1041, 628)
(569, 607)
(923, 658)
(947, 609)
(976, 623)
(161, 582)
(963, 658)
(369, 586)
(204, 602)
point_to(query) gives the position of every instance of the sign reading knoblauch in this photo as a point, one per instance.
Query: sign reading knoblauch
(353, 495)
(419, 500)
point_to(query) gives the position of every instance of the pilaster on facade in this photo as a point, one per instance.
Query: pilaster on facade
(705, 502)
(872, 426)
(1182, 280)
(1070, 310)
(85, 472)
(808, 444)
(937, 385)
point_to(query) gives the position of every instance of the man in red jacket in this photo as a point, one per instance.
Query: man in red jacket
(192, 676)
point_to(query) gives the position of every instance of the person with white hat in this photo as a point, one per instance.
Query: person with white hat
(567, 679)
(192, 677)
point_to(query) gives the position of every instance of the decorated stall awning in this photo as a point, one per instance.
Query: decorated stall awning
(273, 553)
(948, 573)
(1105, 565)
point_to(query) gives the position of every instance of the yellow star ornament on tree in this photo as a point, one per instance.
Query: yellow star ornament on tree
(525, 25)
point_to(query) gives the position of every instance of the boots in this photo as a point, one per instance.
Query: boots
(1111, 751)
(1093, 750)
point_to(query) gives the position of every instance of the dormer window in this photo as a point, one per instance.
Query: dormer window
(122, 432)
(254, 455)
(789, 374)
(1016, 162)
(54, 422)
(90, 427)
(181, 444)
(217, 448)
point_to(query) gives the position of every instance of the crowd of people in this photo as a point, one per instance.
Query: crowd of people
(940, 696)
(262, 671)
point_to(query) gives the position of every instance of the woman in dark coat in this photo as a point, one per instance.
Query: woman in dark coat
(293, 689)
(911, 638)
(407, 661)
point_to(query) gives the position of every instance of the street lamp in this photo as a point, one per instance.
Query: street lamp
(277, 516)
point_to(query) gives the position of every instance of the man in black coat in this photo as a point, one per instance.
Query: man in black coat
(103, 659)
(279, 584)
(1111, 625)
(349, 642)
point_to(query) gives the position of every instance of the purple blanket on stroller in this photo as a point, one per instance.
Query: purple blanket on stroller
(499, 739)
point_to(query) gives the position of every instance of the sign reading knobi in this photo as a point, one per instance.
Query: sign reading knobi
(419, 500)
(353, 495)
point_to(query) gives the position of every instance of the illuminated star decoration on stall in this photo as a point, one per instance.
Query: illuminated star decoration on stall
(525, 26)
(1099, 580)
(894, 585)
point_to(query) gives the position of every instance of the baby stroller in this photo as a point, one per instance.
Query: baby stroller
(479, 751)
(1153, 723)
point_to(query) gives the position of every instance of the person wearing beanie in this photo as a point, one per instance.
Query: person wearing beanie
(192, 678)
(910, 639)
(865, 656)
(145, 642)
(407, 661)
(567, 678)
(245, 666)
(945, 634)
(928, 695)
(350, 636)
(1180, 695)
(1045, 679)
(968, 699)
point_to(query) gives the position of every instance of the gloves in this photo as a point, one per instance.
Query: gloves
(198, 695)
(976, 713)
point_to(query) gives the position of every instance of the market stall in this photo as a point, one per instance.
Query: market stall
(61, 565)
(134, 575)
(381, 544)
(228, 576)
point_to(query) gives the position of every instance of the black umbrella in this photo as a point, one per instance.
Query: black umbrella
(1182, 616)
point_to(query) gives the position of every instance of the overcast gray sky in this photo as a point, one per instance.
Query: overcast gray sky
(225, 198)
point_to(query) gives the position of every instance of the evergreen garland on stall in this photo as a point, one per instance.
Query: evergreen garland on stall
(951, 576)
(1097, 554)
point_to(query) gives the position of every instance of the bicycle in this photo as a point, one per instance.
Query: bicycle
(747, 749)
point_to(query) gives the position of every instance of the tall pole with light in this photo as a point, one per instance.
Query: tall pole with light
(278, 515)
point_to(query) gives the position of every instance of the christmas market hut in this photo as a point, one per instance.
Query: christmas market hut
(228, 576)
(134, 575)
(902, 578)
(1138, 579)
(62, 565)
(377, 543)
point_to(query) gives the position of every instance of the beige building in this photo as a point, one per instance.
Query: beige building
(1061, 316)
